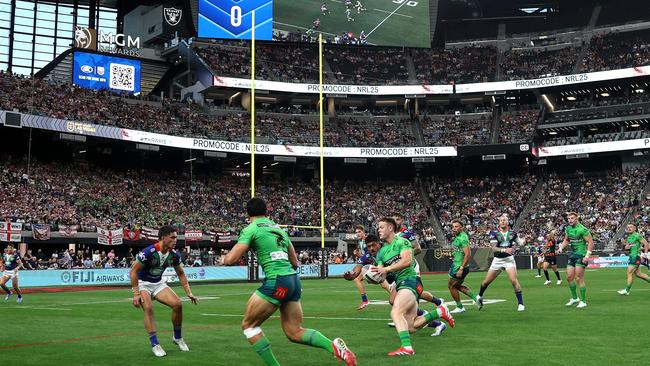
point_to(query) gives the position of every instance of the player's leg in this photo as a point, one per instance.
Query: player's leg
(453, 290)
(580, 279)
(491, 275)
(570, 277)
(405, 305)
(150, 322)
(168, 297)
(511, 271)
(557, 273)
(428, 296)
(385, 286)
(545, 267)
(362, 290)
(3, 284)
(641, 275)
(259, 309)
(17, 289)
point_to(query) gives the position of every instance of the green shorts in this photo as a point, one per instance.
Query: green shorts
(454, 270)
(634, 261)
(413, 284)
(281, 289)
(575, 260)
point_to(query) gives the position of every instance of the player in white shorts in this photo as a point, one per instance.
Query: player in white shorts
(11, 263)
(504, 243)
(148, 285)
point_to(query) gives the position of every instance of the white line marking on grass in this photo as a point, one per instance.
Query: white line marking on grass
(39, 308)
(633, 290)
(123, 300)
(387, 12)
(305, 317)
(385, 19)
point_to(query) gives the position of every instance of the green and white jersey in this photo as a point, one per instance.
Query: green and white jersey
(271, 244)
(391, 253)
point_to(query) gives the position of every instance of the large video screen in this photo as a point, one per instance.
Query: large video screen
(96, 71)
(359, 22)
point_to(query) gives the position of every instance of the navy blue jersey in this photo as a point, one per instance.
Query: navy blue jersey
(11, 260)
(365, 259)
(155, 263)
(504, 240)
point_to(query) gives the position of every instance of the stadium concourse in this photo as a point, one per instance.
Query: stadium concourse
(461, 139)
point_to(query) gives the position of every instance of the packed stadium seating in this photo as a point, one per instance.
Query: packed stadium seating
(454, 131)
(518, 126)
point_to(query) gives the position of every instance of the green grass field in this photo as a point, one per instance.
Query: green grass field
(102, 327)
(385, 22)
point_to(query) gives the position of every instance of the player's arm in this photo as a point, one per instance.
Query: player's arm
(182, 278)
(293, 258)
(646, 246)
(235, 254)
(590, 246)
(20, 265)
(405, 261)
(133, 274)
(417, 248)
(468, 256)
(354, 273)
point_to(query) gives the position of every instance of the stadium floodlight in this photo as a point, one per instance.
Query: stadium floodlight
(571, 98)
(190, 160)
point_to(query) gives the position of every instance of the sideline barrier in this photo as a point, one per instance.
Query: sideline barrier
(120, 276)
(609, 262)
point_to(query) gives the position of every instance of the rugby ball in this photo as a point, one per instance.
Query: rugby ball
(372, 276)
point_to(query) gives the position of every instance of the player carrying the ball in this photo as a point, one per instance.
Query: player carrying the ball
(633, 243)
(396, 256)
(281, 288)
(581, 243)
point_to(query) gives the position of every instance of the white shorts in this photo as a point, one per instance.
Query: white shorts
(10, 274)
(540, 259)
(417, 267)
(500, 264)
(153, 288)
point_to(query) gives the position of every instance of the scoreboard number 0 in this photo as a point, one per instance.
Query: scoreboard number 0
(235, 16)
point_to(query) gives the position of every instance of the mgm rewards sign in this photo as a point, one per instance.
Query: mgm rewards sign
(120, 44)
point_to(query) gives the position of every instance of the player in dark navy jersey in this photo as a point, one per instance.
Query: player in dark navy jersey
(11, 263)
(147, 284)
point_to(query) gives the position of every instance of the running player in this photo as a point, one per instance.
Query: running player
(633, 243)
(359, 7)
(459, 268)
(550, 258)
(324, 10)
(147, 285)
(12, 264)
(581, 244)
(348, 15)
(505, 245)
(396, 256)
(363, 259)
(348, 4)
(281, 288)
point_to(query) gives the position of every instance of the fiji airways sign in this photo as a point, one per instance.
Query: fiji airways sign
(122, 44)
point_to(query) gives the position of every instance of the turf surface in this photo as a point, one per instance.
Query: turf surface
(385, 22)
(103, 328)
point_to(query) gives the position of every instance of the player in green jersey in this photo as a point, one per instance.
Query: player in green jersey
(396, 256)
(579, 237)
(281, 288)
(460, 267)
(633, 243)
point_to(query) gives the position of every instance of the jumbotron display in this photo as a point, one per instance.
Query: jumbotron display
(98, 71)
(355, 22)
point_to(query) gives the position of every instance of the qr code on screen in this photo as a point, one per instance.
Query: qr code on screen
(122, 77)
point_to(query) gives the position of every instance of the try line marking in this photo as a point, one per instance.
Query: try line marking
(398, 14)
(385, 19)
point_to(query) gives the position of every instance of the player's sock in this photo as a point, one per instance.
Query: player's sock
(459, 304)
(405, 338)
(177, 332)
(6, 289)
(481, 291)
(539, 272)
(574, 293)
(628, 287)
(436, 301)
(647, 280)
(471, 295)
(420, 312)
(429, 317)
(263, 348)
(583, 294)
(364, 297)
(558, 275)
(520, 298)
(546, 275)
(153, 338)
(314, 338)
